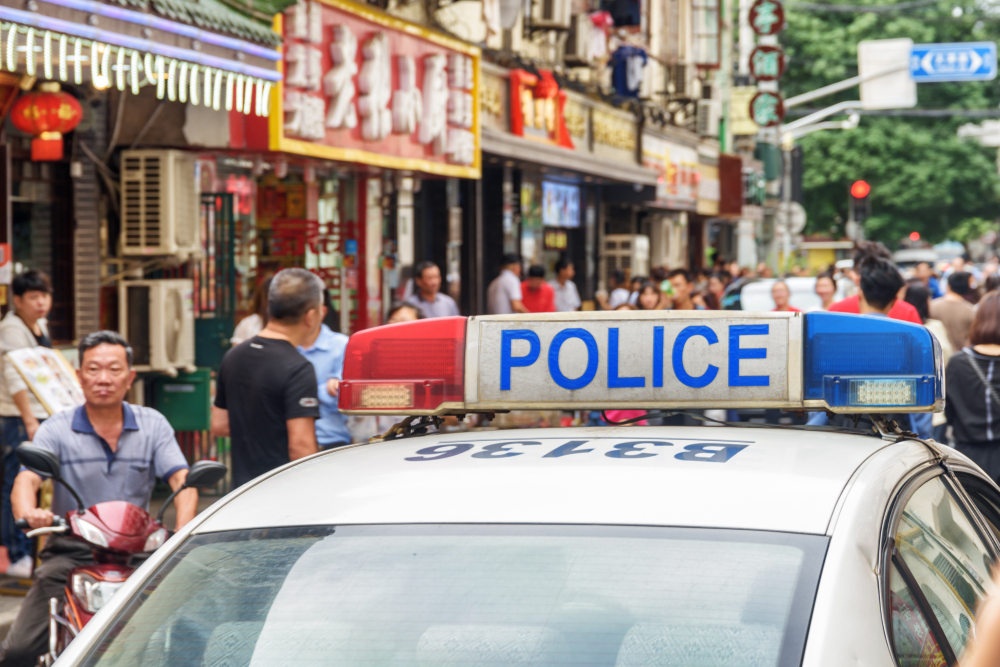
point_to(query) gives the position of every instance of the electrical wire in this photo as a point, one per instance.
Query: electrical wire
(860, 9)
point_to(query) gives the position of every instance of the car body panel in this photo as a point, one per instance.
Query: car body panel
(848, 604)
(778, 480)
(788, 480)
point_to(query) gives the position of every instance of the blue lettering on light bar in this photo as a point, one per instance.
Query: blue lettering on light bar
(867, 362)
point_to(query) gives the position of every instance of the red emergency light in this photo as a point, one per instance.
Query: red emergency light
(411, 368)
(860, 189)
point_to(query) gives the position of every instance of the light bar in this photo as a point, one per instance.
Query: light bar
(407, 368)
(854, 362)
(643, 360)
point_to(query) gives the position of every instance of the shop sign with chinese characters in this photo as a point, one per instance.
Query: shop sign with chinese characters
(537, 108)
(362, 86)
(678, 171)
(767, 63)
(767, 17)
(767, 109)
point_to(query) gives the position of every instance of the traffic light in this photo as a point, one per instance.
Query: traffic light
(860, 206)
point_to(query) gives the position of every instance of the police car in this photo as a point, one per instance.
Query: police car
(620, 546)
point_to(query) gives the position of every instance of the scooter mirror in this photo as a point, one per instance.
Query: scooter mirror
(204, 474)
(38, 460)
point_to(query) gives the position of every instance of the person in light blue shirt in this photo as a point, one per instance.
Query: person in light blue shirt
(325, 351)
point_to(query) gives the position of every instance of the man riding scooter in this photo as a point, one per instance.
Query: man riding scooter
(107, 450)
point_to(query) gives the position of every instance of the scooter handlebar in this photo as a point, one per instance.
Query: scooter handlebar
(57, 522)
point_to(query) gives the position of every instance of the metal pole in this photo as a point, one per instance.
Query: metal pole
(837, 87)
(839, 107)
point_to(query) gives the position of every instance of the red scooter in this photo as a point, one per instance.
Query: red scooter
(119, 534)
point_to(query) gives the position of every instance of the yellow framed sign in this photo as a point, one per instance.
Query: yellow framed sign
(364, 87)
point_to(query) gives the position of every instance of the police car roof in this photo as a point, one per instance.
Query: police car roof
(774, 479)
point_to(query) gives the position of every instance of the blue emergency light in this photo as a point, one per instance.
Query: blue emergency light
(870, 362)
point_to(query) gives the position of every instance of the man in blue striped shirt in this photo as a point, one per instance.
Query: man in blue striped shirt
(108, 450)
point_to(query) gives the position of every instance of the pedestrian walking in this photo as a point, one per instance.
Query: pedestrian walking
(924, 273)
(683, 287)
(717, 287)
(325, 351)
(537, 296)
(918, 295)
(503, 296)
(650, 297)
(619, 294)
(20, 412)
(403, 312)
(825, 289)
(634, 287)
(780, 294)
(954, 310)
(253, 324)
(863, 251)
(972, 379)
(567, 298)
(427, 296)
(266, 399)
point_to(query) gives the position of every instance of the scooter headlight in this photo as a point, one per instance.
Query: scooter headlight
(91, 593)
(91, 533)
(156, 540)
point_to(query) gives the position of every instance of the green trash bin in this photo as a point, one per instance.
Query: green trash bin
(185, 399)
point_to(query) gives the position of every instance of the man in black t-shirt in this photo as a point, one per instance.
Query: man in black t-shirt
(266, 393)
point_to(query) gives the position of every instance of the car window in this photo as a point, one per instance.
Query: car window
(985, 498)
(426, 596)
(912, 637)
(946, 558)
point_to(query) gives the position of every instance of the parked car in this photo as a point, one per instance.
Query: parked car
(755, 293)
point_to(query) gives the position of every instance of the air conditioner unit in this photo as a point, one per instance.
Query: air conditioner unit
(553, 15)
(160, 203)
(578, 41)
(628, 253)
(157, 318)
(708, 118)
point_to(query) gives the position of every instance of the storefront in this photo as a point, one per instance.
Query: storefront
(69, 97)
(560, 171)
(356, 155)
(674, 231)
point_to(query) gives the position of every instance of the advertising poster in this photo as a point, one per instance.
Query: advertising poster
(49, 377)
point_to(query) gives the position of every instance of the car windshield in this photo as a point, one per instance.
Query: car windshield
(489, 596)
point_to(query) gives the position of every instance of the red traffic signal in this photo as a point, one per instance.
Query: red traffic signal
(860, 189)
(914, 236)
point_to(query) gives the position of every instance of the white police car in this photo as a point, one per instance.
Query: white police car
(620, 546)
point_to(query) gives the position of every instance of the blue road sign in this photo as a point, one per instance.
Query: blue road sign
(960, 61)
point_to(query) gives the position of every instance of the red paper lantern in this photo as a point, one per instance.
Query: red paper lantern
(46, 114)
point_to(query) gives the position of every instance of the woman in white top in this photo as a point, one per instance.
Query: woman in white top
(252, 325)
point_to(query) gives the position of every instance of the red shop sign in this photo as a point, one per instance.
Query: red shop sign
(536, 108)
(362, 86)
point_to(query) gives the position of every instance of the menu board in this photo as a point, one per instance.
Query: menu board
(49, 377)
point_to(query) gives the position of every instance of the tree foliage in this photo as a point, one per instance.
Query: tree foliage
(923, 177)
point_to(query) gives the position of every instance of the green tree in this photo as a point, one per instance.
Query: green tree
(923, 177)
